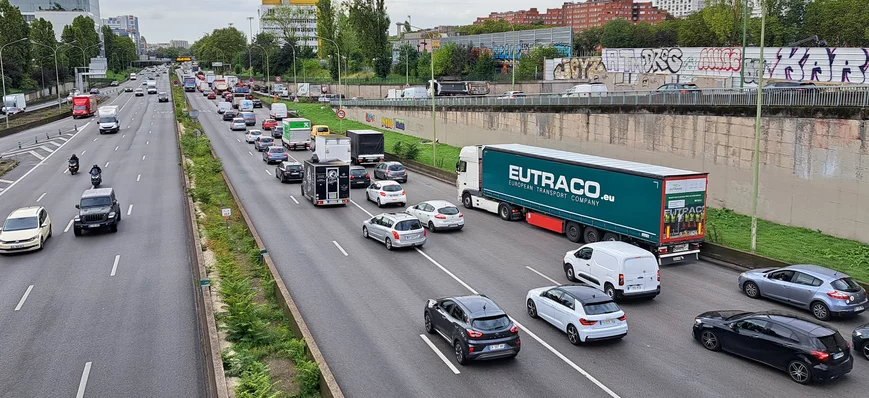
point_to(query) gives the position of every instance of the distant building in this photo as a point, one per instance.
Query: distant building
(585, 15)
(59, 12)
(126, 26)
(305, 27)
(524, 17)
(179, 43)
(680, 8)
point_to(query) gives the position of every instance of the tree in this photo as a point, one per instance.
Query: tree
(326, 28)
(407, 59)
(531, 64)
(288, 19)
(724, 19)
(369, 20)
(617, 33)
(495, 26)
(42, 33)
(484, 67)
(666, 32)
(839, 22)
(267, 42)
(83, 33)
(222, 45)
(443, 58)
(643, 35)
(126, 50)
(693, 32)
(588, 41)
(16, 57)
(423, 65)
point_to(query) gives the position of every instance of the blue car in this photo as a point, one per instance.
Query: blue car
(824, 292)
(275, 154)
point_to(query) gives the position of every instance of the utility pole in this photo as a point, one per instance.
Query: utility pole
(744, 34)
(756, 164)
(249, 59)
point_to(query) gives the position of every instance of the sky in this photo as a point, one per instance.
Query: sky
(164, 20)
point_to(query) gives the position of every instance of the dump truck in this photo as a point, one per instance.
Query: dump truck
(588, 198)
(297, 133)
(366, 146)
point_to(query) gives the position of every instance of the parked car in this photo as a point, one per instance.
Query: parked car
(390, 171)
(140, 92)
(822, 291)
(581, 311)
(438, 215)
(386, 192)
(275, 154)
(395, 230)
(263, 143)
(807, 350)
(269, 123)
(682, 88)
(289, 171)
(257, 103)
(237, 124)
(359, 177)
(475, 326)
(251, 136)
(230, 114)
(25, 229)
(860, 340)
(619, 269)
(211, 96)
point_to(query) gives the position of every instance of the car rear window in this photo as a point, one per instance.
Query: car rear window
(392, 188)
(491, 323)
(832, 342)
(276, 150)
(450, 211)
(396, 167)
(266, 140)
(408, 225)
(601, 308)
(357, 172)
(846, 285)
(294, 167)
(322, 129)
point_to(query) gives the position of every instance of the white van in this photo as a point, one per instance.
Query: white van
(132, 76)
(223, 106)
(278, 111)
(586, 90)
(415, 93)
(245, 106)
(620, 269)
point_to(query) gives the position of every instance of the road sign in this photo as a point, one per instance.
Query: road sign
(182, 59)
(250, 80)
(341, 114)
(278, 79)
(175, 82)
(194, 114)
(226, 213)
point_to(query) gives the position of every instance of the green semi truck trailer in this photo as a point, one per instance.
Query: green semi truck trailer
(588, 198)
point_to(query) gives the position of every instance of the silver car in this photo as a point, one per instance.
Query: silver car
(390, 171)
(237, 124)
(395, 230)
(821, 290)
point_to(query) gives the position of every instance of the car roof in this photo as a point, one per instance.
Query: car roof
(392, 162)
(275, 147)
(475, 304)
(388, 182)
(96, 192)
(237, 120)
(402, 216)
(586, 294)
(805, 325)
(290, 163)
(29, 211)
(621, 247)
(439, 203)
(254, 131)
(817, 271)
(357, 168)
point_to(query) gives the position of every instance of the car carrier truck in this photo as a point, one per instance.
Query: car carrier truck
(588, 198)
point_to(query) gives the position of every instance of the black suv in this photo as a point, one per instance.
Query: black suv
(230, 114)
(99, 208)
(257, 103)
(475, 327)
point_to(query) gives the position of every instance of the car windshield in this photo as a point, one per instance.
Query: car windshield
(254, 132)
(79, 107)
(276, 150)
(601, 308)
(96, 201)
(107, 119)
(19, 224)
(450, 211)
(846, 285)
(392, 188)
(408, 225)
(396, 167)
(491, 323)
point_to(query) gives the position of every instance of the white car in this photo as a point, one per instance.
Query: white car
(386, 192)
(25, 229)
(512, 95)
(237, 124)
(438, 215)
(584, 313)
(140, 92)
(252, 135)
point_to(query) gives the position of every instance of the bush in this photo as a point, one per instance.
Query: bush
(308, 378)
(255, 383)
(405, 150)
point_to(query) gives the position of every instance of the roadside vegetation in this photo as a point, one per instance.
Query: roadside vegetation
(6, 165)
(264, 357)
(33, 116)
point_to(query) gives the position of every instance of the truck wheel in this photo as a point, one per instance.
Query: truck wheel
(505, 210)
(591, 235)
(610, 237)
(466, 201)
(573, 231)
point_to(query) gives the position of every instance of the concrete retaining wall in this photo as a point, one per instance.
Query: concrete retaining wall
(814, 172)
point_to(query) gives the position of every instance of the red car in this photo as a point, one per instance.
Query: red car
(268, 124)
(212, 96)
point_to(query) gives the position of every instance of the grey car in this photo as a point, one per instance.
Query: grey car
(395, 230)
(822, 291)
(390, 171)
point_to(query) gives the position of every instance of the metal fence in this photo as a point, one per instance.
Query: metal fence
(840, 96)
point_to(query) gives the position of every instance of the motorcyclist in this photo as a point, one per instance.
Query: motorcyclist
(73, 160)
(96, 170)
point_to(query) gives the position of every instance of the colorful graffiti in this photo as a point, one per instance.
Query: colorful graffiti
(369, 117)
(399, 124)
(387, 122)
(822, 64)
(578, 68)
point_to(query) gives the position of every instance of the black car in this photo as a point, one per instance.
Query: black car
(163, 97)
(97, 209)
(230, 114)
(474, 326)
(791, 86)
(278, 132)
(860, 340)
(95, 91)
(683, 88)
(359, 177)
(808, 350)
(257, 103)
(289, 171)
(128, 89)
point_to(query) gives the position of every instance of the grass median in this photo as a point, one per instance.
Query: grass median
(34, 116)
(264, 355)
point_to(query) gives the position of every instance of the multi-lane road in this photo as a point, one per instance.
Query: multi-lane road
(106, 314)
(364, 304)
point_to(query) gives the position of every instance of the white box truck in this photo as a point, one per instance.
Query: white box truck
(297, 133)
(14, 101)
(108, 119)
(278, 111)
(152, 87)
(331, 147)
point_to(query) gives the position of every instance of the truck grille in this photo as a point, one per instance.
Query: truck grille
(93, 217)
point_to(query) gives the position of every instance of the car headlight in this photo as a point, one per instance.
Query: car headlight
(33, 238)
(77, 218)
(857, 333)
(697, 321)
(111, 214)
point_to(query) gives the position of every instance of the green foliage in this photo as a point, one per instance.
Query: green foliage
(618, 33)
(370, 22)
(423, 65)
(307, 377)
(255, 383)
(327, 29)
(839, 22)
(484, 67)
(406, 150)
(407, 58)
(531, 64)
(587, 41)
(222, 45)
(693, 32)
(16, 57)
(83, 42)
(495, 26)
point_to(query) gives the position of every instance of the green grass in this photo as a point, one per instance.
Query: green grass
(30, 117)
(6, 165)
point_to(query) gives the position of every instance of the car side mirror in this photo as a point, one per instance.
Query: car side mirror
(77, 207)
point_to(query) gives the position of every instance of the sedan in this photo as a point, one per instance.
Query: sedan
(25, 229)
(114, 83)
(359, 177)
(162, 97)
(512, 95)
(95, 90)
(251, 136)
(386, 192)
(822, 291)
(211, 96)
(237, 124)
(257, 103)
(807, 350)
(394, 230)
(581, 311)
(438, 215)
(140, 92)
(262, 143)
(128, 89)
(475, 326)
(289, 171)
(269, 123)
(860, 340)
(230, 114)
(275, 154)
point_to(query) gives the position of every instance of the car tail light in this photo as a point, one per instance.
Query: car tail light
(402, 192)
(470, 348)
(519, 342)
(623, 318)
(820, 355)
(473, 333)
(514, 329)
(424, 233)
(838, 295)
(367, 176)
(659, 275)
(383, 194)
(319, 202)
(461, 215)
(621, 279)
(351, 178)
(662, 250)
(396, 235)
(586, 322)
(441, 217)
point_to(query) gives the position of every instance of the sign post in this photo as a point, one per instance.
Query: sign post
(341, 114)
(226, 213)
(278, 79)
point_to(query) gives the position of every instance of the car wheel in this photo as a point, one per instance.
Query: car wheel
(460, 353)
(820, 311)
(49, 232)
(428, 326)
(568, 271)
(865, 350)
(751, 290)
(388, 244)
(76, 231)
(800, 372)
(365, 232)
(431, 227)
(532, 308)
(378, 203)
(573, 231)
(710, 340)
(610, 291)
(573, 335)
(41, 244)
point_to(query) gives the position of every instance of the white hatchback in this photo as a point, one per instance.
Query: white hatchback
(584, 313)
(438, 215)
(237, 124)
(386, 192)
(252, 135)
(25, 229)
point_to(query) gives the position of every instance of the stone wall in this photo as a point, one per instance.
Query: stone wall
(814, 172)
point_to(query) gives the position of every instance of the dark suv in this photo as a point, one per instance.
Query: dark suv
(475, 327)
(99, 208)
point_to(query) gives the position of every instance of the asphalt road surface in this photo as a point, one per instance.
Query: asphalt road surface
(104, 314)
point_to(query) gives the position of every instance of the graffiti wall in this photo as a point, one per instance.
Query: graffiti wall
(587, 68)
(821, 64)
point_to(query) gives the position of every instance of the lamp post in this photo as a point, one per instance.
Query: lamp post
(249, 61)
(56, 72)
(744, 34)
(434, 124)
(756, 163)
(513, 58)
(340, 103)
(84, 58)
(267, 60)
(3, 75)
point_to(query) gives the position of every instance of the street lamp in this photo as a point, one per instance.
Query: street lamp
(3, 75)
(267, 60)
(84, 57)
(56, 72)
(434, 124)
(756, 163)
(249, 62)
(513, 58)
(340, 103)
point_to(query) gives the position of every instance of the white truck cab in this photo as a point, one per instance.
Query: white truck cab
(108, 119)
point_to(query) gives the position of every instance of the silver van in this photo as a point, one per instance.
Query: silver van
(619, 269)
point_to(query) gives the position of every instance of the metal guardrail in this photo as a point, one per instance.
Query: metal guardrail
(839, 96)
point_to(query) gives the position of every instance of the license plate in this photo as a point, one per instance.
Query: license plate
(412, 236)
(93, 226)
(454, 225)
(680, 248)
(634, 287)
(860, 308)
(607, 321)
(839, 355)
(494, 347)
(16, 246)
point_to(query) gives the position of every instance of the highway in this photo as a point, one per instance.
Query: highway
(105, 314)
(364, 304)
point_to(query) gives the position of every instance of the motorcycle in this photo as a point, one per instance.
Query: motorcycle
(73, 167)
(96, 179)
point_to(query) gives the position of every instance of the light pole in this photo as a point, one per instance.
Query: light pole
(249, 62)
(56, 72)
(434, 120)
(756, 163)
(340, 103)
(267, 60)
(744, 34)
(3, 75)
(84, 58)
(513, 58)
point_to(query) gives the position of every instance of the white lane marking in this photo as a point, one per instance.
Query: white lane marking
(294, 199)
(40, 163)
(361, 208)
(107, 164)
(46, 149)
(82, 152)
(38, 156)
(268, 172)
(123, 136)
(439, 354)
(41, 196)
(130, 210)
(149, 131)
(138, 177)
(62, 139)
(95, 139)
(251, 154)
(6, 181)
(84, 380)
(143, 157)
(541, 274)
(147, 142)
(115, 265)
(238, 140)
(23, 298)
(67, 226)
(53, 143)
(340, 248)
(116, 148)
